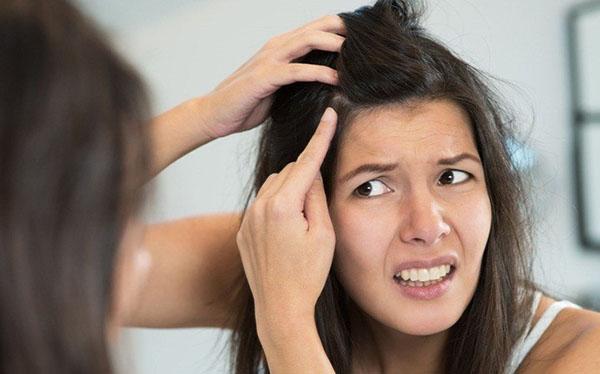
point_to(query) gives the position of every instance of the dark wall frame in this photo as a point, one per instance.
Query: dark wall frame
(580, 118)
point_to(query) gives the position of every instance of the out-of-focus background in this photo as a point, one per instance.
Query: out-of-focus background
(183, 48)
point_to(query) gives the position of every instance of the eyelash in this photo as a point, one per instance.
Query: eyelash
(469, 176)
(367, 182)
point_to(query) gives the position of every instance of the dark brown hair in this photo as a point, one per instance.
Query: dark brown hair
(388, 58)
(72, 157)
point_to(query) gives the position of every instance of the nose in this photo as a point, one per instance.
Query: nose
(422, 220)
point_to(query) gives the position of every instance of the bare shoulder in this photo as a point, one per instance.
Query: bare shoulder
(582, 352)
(571, 343)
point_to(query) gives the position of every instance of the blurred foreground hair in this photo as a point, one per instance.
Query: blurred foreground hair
(72, 159)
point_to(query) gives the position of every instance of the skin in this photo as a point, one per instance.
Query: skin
(191, 264)
(410, 215)
(284, 232)
(131, 273)
(570, 344)
(195, 262)
(411, 340)
(242, 101)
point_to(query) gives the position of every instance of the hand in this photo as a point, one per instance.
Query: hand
(242, 101)
(286, 239)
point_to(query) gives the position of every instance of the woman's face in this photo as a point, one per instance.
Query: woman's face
(410, 203)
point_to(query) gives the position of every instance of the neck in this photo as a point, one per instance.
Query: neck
(379, 348)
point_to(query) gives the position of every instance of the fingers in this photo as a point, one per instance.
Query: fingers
(308, 40)
(267, 186)
(330, 23)
(302, 175)
(296, 178)
(274, 182)
(305, 73)
(272, 66)
(299, 42)
(315, 206)
(322, 34)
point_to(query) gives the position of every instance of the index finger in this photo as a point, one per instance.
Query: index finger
(331, 23)
(301, 177)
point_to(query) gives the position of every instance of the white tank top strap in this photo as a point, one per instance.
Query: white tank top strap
(533, 335)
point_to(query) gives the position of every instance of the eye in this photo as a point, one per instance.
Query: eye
(454, 177)
(372, 188)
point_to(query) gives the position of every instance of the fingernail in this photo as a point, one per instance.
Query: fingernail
(329, 115)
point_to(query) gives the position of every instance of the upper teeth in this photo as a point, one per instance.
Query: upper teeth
(424, 275)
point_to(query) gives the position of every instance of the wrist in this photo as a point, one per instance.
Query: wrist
(294, 347)
(275, 326)
(179, 131)
(202, 107)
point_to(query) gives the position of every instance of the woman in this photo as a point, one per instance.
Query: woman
(426, 214)
(74, 152)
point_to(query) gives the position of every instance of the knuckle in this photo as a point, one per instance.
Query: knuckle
(295, 69)
(336, 20)
(306, 158)
(278, 206)
(308, 38)
(272, 43)
(258, 76)
(302, 28)
(255, 211)
(330, 18)
(286, 169)
(260, 60)
(267, 180)
(289, 166)
(270, 178)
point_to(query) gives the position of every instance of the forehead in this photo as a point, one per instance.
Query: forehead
(427, 129)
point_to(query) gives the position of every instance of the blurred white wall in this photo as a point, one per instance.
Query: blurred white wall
(183, 48)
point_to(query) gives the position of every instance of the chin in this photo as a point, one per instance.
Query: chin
(424, 325)
(419, 320)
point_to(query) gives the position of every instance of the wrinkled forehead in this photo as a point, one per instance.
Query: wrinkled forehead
(421, 130)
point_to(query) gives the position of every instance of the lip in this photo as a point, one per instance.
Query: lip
(425, 264)
(427, 293)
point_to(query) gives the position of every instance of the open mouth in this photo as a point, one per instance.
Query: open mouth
(424, 277)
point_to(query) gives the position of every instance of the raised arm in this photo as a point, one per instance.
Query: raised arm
(195, 266)
(242, 101)
(195, 261)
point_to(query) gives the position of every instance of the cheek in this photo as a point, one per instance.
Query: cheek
(483, 218)
(362, 240)
(473, 222)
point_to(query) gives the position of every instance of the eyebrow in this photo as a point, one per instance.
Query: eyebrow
(387, 167)
(457, 159)
(368, 168)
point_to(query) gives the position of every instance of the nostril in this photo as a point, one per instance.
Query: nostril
(424, 234)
